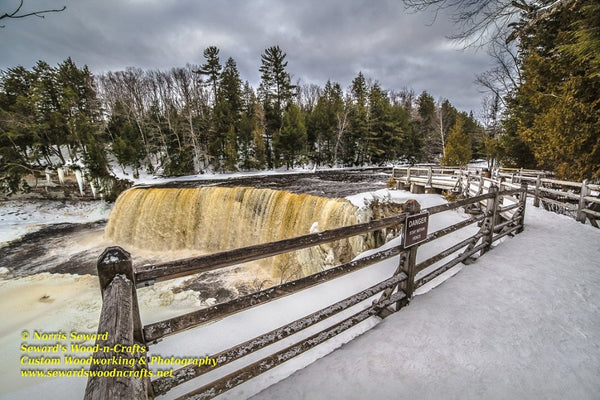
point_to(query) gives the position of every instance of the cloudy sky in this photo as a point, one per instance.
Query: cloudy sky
(323, 39)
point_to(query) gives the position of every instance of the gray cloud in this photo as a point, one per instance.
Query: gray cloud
(325, 39)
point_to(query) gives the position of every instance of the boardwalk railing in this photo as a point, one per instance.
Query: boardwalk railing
(121, 319)
(580, 200)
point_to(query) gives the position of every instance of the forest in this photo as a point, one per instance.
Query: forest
(199, 118)
(542, 111)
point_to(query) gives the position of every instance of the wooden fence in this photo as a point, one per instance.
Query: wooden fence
(121, 319)
(566, 197)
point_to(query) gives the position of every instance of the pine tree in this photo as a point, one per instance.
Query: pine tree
(211, 68)
(292, 140)
(458, 146)
(356, 143)
(226, 118)
(428, 127)
(276, 92)
(384, 136)
(556, 110)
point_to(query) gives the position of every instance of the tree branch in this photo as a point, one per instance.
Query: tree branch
(15, 14)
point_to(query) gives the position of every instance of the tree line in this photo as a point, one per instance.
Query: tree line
(198, 118)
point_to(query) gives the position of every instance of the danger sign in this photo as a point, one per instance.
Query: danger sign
(415, 229)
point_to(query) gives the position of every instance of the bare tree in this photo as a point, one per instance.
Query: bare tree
(19, 14)
(481, 21)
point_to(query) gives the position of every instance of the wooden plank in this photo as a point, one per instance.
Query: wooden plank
(116, 318)
(571, 196)
(509, 198)
(511, 192)
(508, 232)
(173, 269)
(591, 212)
(562, 183)
(504, 209)
(443, 254)
(453, 228)
(420, 282)
(173, 325)
(456, 204)
(568, 206)
(501, 226)
(238, 377)
(592, 199)
(162, 385)
(510, 185)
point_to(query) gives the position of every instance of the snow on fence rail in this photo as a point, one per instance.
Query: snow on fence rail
(120, 315)
(580, 200)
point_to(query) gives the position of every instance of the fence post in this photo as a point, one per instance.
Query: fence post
(480, 188)
(520, 175)
(429, 177)
(536, 196)
(522, 205)
(120, 324)
(491, 210)
(584, 192)
(410, 261)
(112, 262)
(467, 192)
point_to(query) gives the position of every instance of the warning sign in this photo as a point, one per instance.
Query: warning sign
(415, 229)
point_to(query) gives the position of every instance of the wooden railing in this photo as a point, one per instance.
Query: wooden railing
(564, 197)
(121, 319)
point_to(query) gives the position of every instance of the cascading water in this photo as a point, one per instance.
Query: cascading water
(217, 218)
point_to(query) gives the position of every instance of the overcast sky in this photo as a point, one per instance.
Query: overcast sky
(323, 39)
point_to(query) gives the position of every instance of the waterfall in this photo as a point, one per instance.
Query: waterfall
(215, 218)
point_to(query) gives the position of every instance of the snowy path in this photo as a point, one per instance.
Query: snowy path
(522, 322)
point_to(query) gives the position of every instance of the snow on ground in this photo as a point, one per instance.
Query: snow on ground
(18, 217)
(522, 322)
(145, 178)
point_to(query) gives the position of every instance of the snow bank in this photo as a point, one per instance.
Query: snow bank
(20, 217)
(522, 322)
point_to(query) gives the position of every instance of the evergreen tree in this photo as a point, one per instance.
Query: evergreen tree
(211, 68)
(556, 109)
(458, 146)
(427, 127)
(226, 118)
(356, 143)
(291, 142)
(324, 123)
(276, 91)
(383, 140)
(252, 148)
(126, 144)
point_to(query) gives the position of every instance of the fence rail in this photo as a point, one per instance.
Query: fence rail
(119, 281)
(566, 197)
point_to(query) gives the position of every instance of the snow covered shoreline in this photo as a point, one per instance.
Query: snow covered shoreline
(18, 217)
